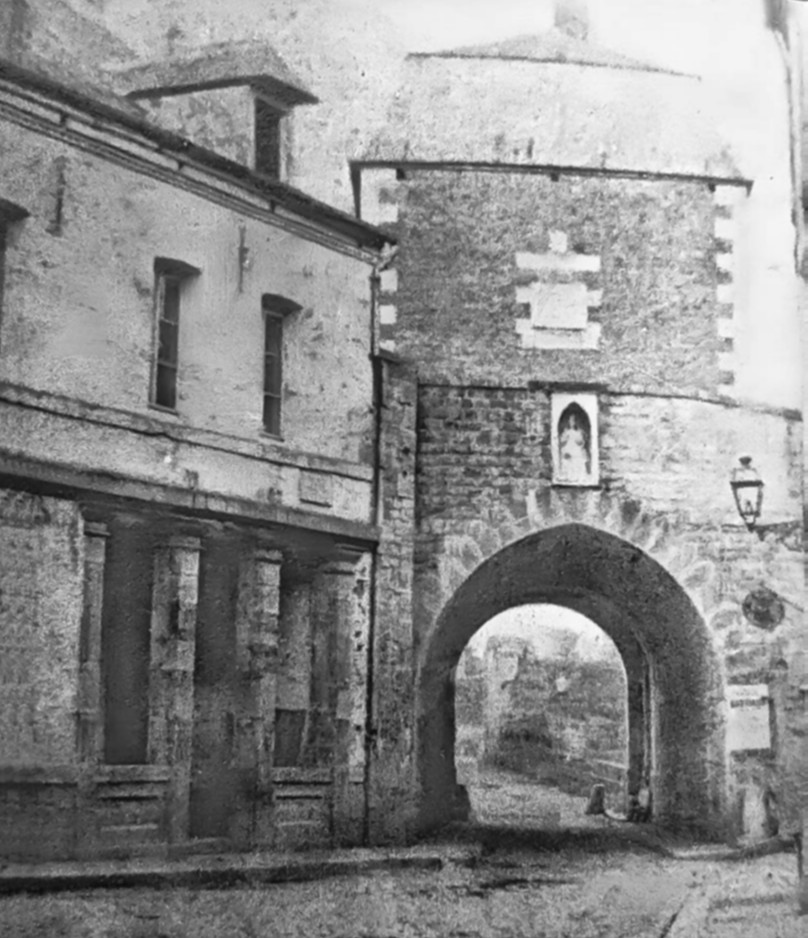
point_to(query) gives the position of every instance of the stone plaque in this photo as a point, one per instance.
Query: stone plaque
(316, 488)
(748, 722)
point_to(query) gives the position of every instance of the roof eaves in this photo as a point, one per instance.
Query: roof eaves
(553, 60)
(219, 65)
(294, 200)
(289, 94)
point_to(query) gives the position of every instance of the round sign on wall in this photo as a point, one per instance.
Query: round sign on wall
(763, 608)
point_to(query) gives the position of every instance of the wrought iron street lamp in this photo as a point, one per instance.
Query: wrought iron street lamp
(747, 487)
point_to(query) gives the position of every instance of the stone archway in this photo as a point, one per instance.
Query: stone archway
(654, 625)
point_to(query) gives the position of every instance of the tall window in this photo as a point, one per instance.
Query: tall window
(168, 279)
(275, 309)
(9, 214)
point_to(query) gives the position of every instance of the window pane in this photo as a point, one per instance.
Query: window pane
(166, 386)
(171, 299)
(166, 353)
(267, 139)
(272, 376)
(272, 414)
(273, 335)
(168, 345)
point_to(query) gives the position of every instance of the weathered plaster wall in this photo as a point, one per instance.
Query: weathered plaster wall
(475, 110)
(222, 119)
(78, 301)
(160, 452)
(57, 35)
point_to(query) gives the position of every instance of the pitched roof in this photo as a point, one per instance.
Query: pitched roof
(489, 110)
(553, 45)
(116, 110)
(218, 65)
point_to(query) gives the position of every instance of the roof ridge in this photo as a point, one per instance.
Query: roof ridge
(551, 45)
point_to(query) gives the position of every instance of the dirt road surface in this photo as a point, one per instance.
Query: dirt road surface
(531, 865)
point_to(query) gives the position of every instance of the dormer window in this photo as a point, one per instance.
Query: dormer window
(231, 97)
(268, 139)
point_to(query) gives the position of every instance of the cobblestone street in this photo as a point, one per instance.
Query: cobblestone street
(576, 876)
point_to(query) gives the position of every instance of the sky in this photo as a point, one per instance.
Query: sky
(702, 36)
(536, 623)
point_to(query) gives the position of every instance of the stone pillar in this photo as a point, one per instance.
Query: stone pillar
(638, 769)
(171, 672)
(345, 581)
(256, 660)
(90, 717)
(636, 736)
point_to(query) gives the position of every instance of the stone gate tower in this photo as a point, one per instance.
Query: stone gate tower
(580, 286)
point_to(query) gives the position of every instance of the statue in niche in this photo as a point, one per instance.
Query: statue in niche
(574, 445)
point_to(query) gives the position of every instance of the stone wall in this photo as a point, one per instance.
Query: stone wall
(640, 253)
(484, 482)
(391, 787)
(41, 563)
(488, 448)
(79, 299)
(167, 678)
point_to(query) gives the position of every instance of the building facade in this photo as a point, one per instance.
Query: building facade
(187, 505)
(580, 283)
(264, 475)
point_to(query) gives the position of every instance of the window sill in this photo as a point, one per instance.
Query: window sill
(170, 411)
(293, 775)
(271, 437)
(577, 485)
(121, 773)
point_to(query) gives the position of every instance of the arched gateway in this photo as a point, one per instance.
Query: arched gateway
(676, 722)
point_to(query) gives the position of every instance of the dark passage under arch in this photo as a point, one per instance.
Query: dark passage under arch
(654, 625)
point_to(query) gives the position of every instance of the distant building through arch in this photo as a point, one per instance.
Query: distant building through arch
(661, 638)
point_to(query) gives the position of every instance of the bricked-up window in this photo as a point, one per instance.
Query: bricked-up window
(10, 214)
(290, 726)
(169, 278)
(268, 139)
(275, 309)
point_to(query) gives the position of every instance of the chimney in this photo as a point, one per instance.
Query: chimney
(572, 18)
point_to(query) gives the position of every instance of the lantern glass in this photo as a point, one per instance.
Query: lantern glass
(747, 487)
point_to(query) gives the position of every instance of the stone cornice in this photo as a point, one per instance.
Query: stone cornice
(269, 451)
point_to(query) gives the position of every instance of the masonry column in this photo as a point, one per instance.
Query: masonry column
(638, 754)
(171, 672)
(89, 693)
(345, 582)
(257, 658)
(90, 717)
